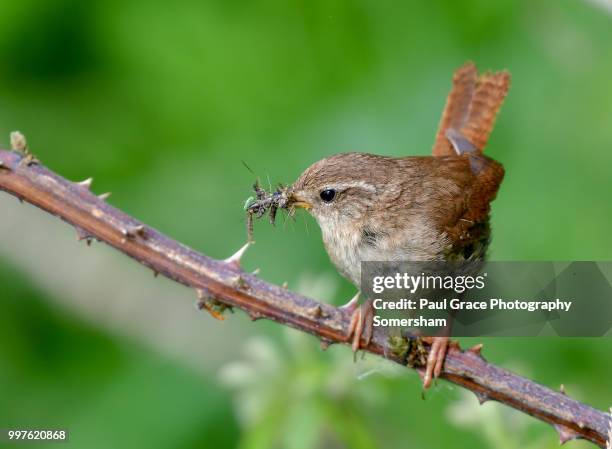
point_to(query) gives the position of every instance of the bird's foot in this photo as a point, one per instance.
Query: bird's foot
(435, 359)
(361, 324)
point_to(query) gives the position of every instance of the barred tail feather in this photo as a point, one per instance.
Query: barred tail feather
(471, 108)
(491, 91)
(457, 107)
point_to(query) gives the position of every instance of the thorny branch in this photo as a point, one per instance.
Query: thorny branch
(222, 283)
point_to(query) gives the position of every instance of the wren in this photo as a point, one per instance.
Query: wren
(422, 208)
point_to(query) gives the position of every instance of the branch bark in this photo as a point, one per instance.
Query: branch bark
(93, 218)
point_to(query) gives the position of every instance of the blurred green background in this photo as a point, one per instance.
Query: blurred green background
(160, 102)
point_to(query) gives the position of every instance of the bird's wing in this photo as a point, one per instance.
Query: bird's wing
(478, 178)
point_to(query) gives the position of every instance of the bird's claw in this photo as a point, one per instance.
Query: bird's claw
(435, 359)
(361, 326)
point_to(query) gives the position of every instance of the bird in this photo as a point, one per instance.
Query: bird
(372, 207)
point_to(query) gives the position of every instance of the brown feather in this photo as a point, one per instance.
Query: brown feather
(490, 94)
(457, 107)
(471, 108)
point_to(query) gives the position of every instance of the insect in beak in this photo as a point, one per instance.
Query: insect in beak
(269, 203)
(265, 203)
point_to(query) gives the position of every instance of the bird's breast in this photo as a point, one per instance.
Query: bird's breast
(349, 245)
(342, 245)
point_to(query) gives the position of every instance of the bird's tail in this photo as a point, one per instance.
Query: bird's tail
(471, 108)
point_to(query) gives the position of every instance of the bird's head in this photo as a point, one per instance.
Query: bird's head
(341, 189)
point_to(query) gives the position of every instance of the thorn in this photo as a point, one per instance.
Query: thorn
(86, 183)
(240, 283)
(234, 259)
(316, 311)
(202, 294)
(133, 231)
(256, 272)
(139, 230)
(325, 343)
(476, 349)
(562, 389)
(565, 433)
(285, 285)
(155, 273)
(104, 196)
(482, 398)
(82, 234)
(29, 159)
(254, 316)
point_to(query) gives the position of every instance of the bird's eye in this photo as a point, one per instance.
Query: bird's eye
(328, 195)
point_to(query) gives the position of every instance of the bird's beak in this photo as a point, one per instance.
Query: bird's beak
(296, 201)
(302, 204)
